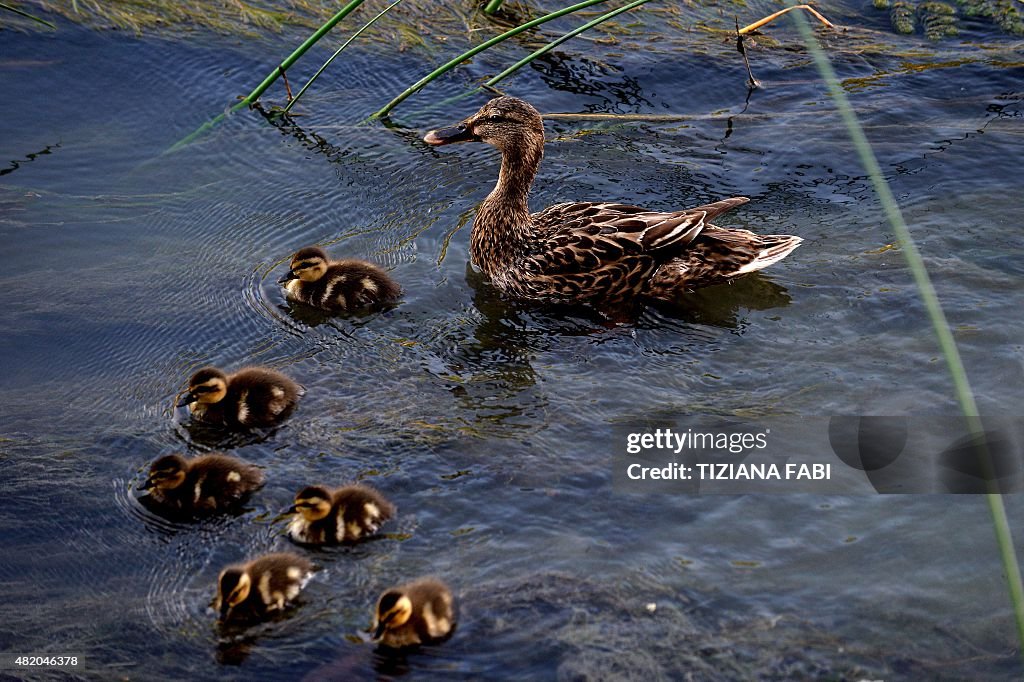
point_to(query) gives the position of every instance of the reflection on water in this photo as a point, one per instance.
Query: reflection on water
(485, 421)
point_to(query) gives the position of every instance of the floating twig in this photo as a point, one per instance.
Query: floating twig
(622, 117)
(772, 17)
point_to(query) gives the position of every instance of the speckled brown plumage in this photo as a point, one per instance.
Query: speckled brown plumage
(606, 254)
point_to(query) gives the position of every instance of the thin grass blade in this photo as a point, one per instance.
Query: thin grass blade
(4, 5)
(940, 325)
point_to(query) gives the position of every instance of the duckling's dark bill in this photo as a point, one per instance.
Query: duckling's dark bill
(290, 276)
(186, 399)
(459, 133)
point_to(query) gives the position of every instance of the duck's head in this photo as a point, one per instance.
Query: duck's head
(167, 473)
(313, 502)
(308, 264)
(393, 611)
(505, 122)
(233, 588)
(208, 385)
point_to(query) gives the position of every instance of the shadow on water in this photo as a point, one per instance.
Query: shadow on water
(204, 436)
(722, 305)
(582, 76)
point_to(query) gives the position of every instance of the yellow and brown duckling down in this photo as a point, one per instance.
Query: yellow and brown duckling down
(202, 485)
(251, 397)
(606, 254)
(420, 612)
(346, 514)
(338, 286)
(261, 587)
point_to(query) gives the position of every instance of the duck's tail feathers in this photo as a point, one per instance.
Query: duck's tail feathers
(774, 247)
(718, 255)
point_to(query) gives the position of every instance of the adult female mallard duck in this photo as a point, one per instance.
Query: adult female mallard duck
(345, 514)
(606, 254)
(339, 286)
(251, 397)
(199, 486)
(416, 613)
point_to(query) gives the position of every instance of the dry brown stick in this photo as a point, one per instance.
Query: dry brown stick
(287, 87)
(752, 82)
(772, 17)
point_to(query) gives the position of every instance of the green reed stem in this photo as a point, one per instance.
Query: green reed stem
(4, 5)
(251, 98)
(416, 87)
(337, 52)
(492, 6)
(555, 43)
(928, 296)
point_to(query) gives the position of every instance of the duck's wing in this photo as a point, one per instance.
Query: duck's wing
(581, 237)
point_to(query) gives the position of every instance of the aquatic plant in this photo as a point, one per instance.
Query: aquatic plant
(939, 19)
(1007, 14)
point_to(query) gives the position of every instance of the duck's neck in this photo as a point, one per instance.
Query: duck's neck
(503, 227)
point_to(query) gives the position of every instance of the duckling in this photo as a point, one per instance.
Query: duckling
(419, 612)
(338, 286)
(201, 485)
(251, 397)
(604, 254)
(255, 589)
(342, 515)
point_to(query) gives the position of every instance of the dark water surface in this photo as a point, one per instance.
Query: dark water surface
(125, 268)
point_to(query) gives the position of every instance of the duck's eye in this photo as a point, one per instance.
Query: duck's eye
(495, 118)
